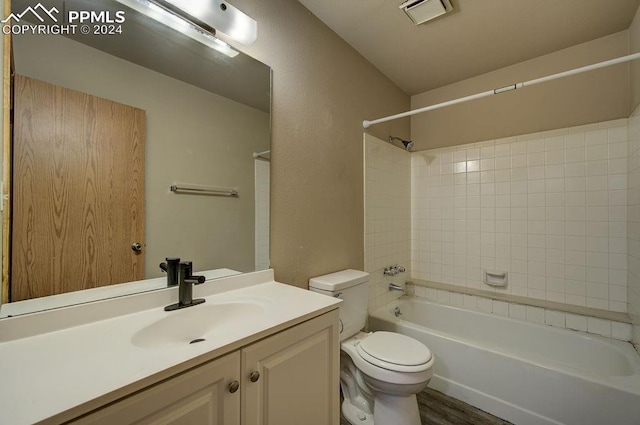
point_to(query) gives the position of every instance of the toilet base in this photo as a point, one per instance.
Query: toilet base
(390, 409)
(354, 415)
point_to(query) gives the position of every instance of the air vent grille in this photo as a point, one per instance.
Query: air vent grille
(421, 11)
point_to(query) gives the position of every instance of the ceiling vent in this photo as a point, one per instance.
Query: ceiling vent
(420, 11)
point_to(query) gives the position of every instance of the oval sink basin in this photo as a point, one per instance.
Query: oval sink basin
(194, 324)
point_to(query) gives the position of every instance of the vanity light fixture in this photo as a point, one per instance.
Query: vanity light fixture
(217, 14)
(172, 20)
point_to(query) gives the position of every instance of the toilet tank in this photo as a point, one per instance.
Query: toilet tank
(352, 287)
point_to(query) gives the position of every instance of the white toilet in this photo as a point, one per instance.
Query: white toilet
(380, 372)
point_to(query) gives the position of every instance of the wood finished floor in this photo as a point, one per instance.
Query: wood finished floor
(439, 409)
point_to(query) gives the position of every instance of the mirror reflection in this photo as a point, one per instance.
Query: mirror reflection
(103, 126)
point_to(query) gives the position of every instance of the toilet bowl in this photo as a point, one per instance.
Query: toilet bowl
(380, 372)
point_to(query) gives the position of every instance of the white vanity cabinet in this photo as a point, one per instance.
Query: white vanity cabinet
(200, 397)
(288, 378)
(296, 374)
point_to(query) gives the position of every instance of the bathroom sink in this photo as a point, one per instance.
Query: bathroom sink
(194, 324)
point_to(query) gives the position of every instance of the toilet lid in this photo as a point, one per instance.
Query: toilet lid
(390, 349)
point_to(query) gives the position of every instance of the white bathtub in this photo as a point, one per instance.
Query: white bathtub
(522, 372)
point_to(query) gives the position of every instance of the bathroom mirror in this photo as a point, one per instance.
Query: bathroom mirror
(205, 125)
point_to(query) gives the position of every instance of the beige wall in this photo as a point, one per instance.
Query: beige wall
(634, 47)
(322, 90)
(2, 6)
(591, 97)
(193, 136)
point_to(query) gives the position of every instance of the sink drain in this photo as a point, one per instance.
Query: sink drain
(195, 341)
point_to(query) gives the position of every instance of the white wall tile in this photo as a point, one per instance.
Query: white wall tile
(596, 137)
(555, 318)
(443, 296)
(456, 299)
(388, 217)
(500, 308)
(575, 155)
(485, 305)
(471, 301)
(535, 314)
(576, 322)
(631, 183)
(517, 311)
(621, 331)
(432, 294)
(559, 189)
(612, 329)
(599, 326)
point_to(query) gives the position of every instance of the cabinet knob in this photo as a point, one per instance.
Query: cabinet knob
(254, 376)
(233, 386)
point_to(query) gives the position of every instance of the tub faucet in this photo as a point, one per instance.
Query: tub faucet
(394, 270)
(185, 287)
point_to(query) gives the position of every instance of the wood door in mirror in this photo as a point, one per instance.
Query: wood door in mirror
(78, 181)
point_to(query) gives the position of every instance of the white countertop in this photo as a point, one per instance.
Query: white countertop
(47, 369)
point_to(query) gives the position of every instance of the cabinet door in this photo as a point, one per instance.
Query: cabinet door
(200, 396)
(298, 381)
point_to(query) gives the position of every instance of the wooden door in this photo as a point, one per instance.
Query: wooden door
(78, 191)
(198, 397)
(297, 376)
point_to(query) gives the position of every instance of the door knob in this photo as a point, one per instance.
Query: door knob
(254, 376)
(233, 386)
(136, 246)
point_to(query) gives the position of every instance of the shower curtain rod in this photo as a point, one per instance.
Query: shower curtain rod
(367, 124)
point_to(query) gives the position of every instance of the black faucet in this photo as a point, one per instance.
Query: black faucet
(171, 268)
(185, 286)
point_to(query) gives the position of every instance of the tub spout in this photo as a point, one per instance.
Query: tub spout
(394, 287)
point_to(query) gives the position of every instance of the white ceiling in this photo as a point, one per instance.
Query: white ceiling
(479, 36)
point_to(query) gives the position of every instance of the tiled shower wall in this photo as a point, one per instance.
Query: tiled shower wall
(633, 195)
(548, 208)
(387, 181)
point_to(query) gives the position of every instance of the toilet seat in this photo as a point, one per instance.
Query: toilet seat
(394, 352)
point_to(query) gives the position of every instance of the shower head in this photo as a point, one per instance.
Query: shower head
(408, 144)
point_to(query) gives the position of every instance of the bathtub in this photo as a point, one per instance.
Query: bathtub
(523, 372)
